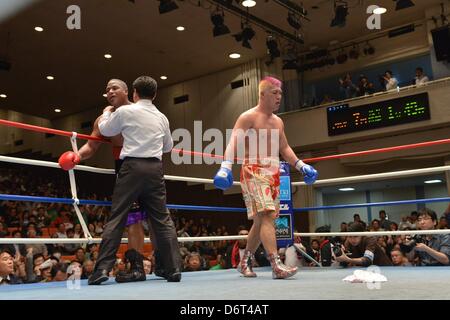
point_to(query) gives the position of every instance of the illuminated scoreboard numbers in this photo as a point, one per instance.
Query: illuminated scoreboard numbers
(343, 119)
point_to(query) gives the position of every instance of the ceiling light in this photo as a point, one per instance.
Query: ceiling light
(403, 4)
(249, 3)
(346, 189)
(167, 6)
(57, 110)
(380, 10)
(163, 77)
(39, 29)
(272, 47)
(294, 20)
(3, 95)
(433, 181)
(245, 36)
(105, 95)
(234, 55)
(107, 56)
(217, 18)
(50, 77)
(180, 28)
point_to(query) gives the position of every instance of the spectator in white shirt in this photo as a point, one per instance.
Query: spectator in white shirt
(390, 82)
(421, 78)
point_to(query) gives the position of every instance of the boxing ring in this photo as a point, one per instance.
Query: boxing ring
(310, 283)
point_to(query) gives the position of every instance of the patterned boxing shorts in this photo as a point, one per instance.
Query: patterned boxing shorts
(260, 183)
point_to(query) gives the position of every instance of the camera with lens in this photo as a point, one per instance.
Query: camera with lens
(337, 249)
(412, 242)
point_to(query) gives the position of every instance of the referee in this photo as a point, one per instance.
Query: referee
(146, 135)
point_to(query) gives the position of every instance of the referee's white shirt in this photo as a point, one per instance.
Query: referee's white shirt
(145, 130)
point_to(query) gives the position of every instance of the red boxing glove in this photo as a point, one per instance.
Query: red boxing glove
(68, 160)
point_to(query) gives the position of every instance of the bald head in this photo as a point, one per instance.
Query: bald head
(117, 92)
(118, 82)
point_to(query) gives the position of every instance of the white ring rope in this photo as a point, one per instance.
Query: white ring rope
(224, 238)
(404, 173)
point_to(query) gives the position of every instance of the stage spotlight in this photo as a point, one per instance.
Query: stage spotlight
(403, 4)
(294, 20)
(167, 6)
(245, 36)
(341, 12)
(217, 18)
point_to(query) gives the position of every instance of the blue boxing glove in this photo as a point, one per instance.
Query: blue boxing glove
(224, 177)
(309, 173)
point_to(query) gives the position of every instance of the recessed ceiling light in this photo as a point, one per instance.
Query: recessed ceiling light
(433, 181)
(180, 28)
(163, 77)
(234, 55)
(107, 56)
(57, 110)
(105, 95)
(3, 95)
(380, 10)
(346, 189)
(39, 29)
(249, 3)
(50, 77)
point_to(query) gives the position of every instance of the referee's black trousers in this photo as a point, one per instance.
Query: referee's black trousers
(142, 180)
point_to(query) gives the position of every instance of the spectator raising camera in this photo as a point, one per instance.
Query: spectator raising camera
(432, 250)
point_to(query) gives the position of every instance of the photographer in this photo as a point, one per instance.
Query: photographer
(432, 250)
(364, 250)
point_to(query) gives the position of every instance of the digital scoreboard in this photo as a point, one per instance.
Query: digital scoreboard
(343, 119)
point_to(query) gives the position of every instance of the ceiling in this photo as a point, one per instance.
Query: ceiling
(142, 41)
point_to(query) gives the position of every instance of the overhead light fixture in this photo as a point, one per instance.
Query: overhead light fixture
(403, 4)
(249, 3)
(180, 28)
(107, 56)
(39, 29)
(50, 78)
(3, 96)
(433, 181)
(380, 10)
(294, 20)
(341, 12)
(163, 77)
(272, 47)
(234, 55)
(57, 110)
(217, 18)
(346, 189)
(245, 36)
(167, 6)
(105, 95)
(290, 64)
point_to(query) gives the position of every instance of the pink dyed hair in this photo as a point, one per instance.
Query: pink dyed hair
(269, 82)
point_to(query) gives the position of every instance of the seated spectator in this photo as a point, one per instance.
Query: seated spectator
(389, 81)
(70, 248)
(194, 262)
(347, 88)
(59, 272)
(432, 250)
(365, 87)
(88, 269)
(80, 255)
(384, 220)
(235, 252)
(327, 99)
(7, 275)
(148, 266)
(3, 231)
(405, 224)
(375, 225)
(364, 250)
(38, 248)
(357, 218)
(399, 259)
(420, 78)
(442, 223)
